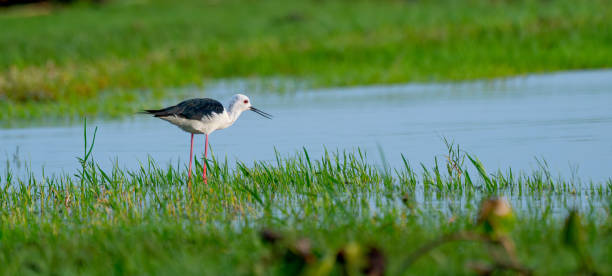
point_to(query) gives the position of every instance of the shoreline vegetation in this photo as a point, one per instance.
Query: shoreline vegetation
(298, 215)
(66, 62)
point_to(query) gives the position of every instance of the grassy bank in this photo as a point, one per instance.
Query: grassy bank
(322, 217)
(69, 61)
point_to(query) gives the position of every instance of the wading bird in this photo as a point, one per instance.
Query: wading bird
(203, 116)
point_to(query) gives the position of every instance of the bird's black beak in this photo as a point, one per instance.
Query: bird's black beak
(261, 112)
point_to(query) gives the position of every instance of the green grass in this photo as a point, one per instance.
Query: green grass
(148, 220)
(63, 62)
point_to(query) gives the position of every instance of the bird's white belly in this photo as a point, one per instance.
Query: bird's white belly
(204, 126)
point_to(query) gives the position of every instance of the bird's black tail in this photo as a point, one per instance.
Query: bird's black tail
(159, 112)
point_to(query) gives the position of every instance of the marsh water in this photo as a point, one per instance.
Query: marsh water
(564, 119)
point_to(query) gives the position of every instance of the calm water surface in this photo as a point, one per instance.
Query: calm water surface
(563, 118)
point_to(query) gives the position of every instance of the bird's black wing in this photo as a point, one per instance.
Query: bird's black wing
(193, 109)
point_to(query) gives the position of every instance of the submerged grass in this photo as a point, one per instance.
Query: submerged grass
(63, 62)
(145, 221)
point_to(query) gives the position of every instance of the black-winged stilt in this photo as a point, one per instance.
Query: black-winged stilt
(203, 116)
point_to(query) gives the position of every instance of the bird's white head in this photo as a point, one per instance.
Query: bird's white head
(240, 103)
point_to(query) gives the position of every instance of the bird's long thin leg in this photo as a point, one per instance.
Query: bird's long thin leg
(190, 157)
(205, 155)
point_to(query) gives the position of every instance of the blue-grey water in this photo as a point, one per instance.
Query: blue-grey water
(563, 118)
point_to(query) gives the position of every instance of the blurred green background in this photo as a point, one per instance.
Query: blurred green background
(111, 58)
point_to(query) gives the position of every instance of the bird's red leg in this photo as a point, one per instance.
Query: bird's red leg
(190, 157)
(205, 154)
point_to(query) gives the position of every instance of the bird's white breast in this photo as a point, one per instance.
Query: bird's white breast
(206, 125)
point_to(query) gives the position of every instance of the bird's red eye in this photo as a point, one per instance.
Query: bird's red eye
(246, 101)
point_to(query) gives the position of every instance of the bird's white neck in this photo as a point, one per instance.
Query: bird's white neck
(233, 112)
